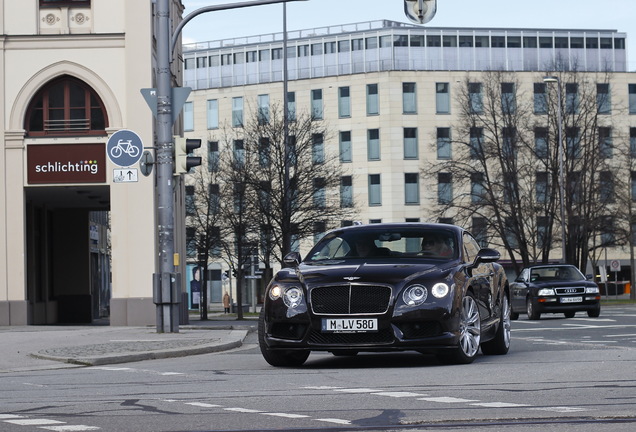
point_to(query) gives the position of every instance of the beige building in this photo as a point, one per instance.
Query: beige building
(388, 92)
(77, 231)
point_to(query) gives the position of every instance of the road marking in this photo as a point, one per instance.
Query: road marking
(171, 373)
(34, 422)
(399, 394)
(445, 399)
(71, 428)
(321, 388)
(243, 410)
(332, 420)
(560, 409)
(357, 390)
(203, 405)
(286, 415)
(499, 405)
(10, 416)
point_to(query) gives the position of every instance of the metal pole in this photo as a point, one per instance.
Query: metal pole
(286, 191)
(164, 281)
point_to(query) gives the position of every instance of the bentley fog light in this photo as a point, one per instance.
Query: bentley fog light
(440, 290)
(415, 295)
(546, 292)
(293, 297)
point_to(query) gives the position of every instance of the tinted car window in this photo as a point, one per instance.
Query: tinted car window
(471, 248)
(437, 244)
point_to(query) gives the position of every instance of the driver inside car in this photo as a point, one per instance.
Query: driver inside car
(433, 244)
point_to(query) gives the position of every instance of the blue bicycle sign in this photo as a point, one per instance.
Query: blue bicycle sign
(124, 148)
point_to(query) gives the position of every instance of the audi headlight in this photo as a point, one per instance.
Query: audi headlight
(546, 292)
(415, 295)
(440, 290)
(292, 297)
(592, 290)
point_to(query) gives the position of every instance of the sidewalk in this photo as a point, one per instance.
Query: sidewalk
(26, 348)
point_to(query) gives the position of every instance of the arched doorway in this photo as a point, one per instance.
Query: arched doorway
(67, 204)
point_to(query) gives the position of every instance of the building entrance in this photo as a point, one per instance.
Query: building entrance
(68, 254)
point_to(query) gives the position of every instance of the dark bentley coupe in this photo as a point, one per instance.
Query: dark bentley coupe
(388, 287)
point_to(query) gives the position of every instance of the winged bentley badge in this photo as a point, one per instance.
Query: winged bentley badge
(351, 278)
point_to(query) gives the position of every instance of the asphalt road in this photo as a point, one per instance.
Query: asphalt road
(560, 375)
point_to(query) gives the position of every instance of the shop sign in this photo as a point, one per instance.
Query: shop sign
(66, 163)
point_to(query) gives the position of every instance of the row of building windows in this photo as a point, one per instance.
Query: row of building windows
(404, 40)
(409, 102)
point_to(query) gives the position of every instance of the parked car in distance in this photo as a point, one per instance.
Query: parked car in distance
(388, 287)
(554, 288)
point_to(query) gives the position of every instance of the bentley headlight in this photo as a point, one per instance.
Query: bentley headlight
(275, 292)
(415, 295)
(592, 290)
(293, 297)
(546, 292)
(440, 290)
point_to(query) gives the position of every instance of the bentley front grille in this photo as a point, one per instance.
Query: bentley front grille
(350, 299)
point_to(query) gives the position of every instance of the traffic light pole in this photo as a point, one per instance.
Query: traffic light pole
(166, 283)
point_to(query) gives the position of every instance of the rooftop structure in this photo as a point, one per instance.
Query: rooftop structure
(388, 45)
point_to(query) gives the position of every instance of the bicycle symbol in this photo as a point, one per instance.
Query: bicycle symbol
(124, 146)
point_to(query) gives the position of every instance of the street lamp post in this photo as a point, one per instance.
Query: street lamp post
(556, 79)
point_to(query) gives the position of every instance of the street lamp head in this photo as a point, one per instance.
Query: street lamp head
(551, 79)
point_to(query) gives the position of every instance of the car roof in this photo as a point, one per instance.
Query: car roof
(400, 225)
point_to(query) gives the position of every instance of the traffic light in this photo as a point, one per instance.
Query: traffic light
(234, 273)
(183, 147)
(420, 11)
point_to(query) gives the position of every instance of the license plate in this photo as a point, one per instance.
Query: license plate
(349, 325)
(571, 299)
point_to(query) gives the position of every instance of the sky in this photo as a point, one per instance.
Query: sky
(556, 14)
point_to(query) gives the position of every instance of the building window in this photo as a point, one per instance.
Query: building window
(316, 49)
(277, 53)
(603, 98)
(508, 98)
(444, 188)
(318, 148)
(237, 112)
(202, 62)
(541, 187)
(541, 142)
(632, 142)
(572, 143)
(344, 102)
(509, 148)
(303, 51)
(409, 99)
(346, 153)
(606, 187)
(316, 104)
(476, 137)
(373, 144)
(264, 152)
(475, 97)
(540, 99)
(291, 106)
(66, 106)
(605, 145)
(213, 113)
(410, 143)
(411, 189)
(214, 193)
(344, 46)
(319, 193)
(572, 98)
(375, 190)
(633, 185)
(188, 116)
(443, 143)
(357, 44)
(480, 231)
(263, 109)
(251, 57)
(477, 189)
(190, 207)
(373, 103)
(330, 47)
(213, 156)
(74, 3)
(346, 191)
(442, 98)
(239, 152)
(632, 98)
(319, 231)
